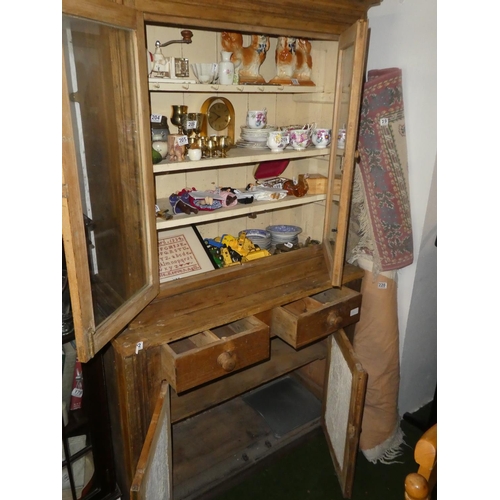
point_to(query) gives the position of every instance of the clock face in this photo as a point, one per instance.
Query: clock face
(219, 116)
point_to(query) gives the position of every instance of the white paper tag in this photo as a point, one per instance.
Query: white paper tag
(286, 139)
(77, 393)
(384, 122)
(382, 285)
(182, 140)
(156, 118)
(288, 244)
(191, 124)
(295, 81)
(139, 346)
(354, 311)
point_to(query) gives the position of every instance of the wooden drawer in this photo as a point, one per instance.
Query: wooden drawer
(211, 354)
(306, 320)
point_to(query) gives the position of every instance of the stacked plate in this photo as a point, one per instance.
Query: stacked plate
(283, 233)
(254, 137)
(259, 237)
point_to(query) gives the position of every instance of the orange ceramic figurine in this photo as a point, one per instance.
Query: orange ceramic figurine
(303, 62)
(247, 60)
(285, 60)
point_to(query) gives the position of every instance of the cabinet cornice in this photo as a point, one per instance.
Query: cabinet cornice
(322, 19)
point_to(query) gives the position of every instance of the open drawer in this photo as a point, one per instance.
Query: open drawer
(309, 319)
(211, 354)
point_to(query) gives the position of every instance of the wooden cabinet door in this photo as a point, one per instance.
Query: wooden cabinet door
(153, 476)
(349, 85)
(108, 230)
(343, 403)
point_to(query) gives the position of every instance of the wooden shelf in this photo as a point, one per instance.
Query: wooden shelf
(239, 156)
(236, 211)
(157, 85)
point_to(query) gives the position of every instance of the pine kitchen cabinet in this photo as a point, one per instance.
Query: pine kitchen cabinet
(185, 353)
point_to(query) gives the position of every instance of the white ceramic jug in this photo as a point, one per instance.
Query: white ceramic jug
(226, 69)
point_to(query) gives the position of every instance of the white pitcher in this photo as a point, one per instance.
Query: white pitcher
(226, 69)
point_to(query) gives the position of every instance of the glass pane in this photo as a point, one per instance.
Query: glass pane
(352, 50)
(100, 68)
(345, 74)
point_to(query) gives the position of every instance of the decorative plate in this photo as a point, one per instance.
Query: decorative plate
(284, 230)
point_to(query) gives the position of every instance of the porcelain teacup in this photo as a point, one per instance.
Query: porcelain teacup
(300, 138)
(321, 137)
(257, 118)
(277, 141)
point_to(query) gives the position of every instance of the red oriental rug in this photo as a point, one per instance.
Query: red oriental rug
(381, 202)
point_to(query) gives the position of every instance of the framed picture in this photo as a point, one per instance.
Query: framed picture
(182, 253)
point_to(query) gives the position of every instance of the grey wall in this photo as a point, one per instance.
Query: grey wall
(403, 34)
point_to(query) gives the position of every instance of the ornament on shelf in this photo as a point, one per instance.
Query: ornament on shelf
(247, 60)
(226, 69)
(285, 60)
(303, 62)
(293, 61)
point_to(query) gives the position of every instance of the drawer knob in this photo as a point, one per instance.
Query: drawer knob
(227, 361)
(334, 320)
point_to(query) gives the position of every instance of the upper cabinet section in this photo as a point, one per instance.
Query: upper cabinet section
(108, 224)
(321, 19)
(110, 185)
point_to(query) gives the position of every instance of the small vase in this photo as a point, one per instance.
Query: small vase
(226, 69)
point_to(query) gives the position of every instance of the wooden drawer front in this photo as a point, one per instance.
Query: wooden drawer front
(211, 354)
(306, 320)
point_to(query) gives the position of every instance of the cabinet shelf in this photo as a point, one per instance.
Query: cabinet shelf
(237, 210)
(157, 85)
(238, 156)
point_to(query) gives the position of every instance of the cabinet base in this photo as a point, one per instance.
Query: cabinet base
(217, 448)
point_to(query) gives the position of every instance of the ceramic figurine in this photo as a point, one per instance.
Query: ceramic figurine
(303, 62)
(247, 60)
(285, 60)
(293, 61)
(176, 151)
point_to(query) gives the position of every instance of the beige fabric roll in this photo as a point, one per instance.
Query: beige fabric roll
(376, 343)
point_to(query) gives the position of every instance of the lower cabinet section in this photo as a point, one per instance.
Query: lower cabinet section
(196, 411)
(249, 416)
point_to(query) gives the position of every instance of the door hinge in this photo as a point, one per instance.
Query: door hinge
(73, 96)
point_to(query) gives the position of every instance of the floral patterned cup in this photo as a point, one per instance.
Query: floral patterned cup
(300, 138)
(321, 137)
(277, 141)
(257, 119)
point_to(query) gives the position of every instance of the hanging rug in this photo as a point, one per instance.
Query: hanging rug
(380, 191)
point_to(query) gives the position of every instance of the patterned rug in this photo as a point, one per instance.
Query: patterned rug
(381, 224)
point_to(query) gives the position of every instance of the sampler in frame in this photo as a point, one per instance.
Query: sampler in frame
(182, 253)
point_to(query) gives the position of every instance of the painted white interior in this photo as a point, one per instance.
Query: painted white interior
(403, 34)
